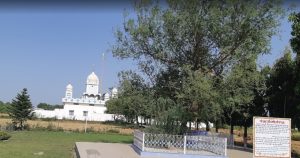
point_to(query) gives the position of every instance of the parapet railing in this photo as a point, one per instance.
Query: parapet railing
(185, 144)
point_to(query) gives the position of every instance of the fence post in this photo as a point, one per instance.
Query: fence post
(184, 145)
(143, 145)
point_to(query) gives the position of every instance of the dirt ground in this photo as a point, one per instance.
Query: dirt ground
(74, 125)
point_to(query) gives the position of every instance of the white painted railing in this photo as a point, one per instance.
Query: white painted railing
(164, 143)
(138, 139)
(216, 145)
(180, 143)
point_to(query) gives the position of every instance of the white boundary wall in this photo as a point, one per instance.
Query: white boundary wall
(94, 113)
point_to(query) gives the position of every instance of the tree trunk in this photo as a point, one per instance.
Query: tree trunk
(190, 125)
(217, 126)
(207, 126)
(183, 127)
(231, 139)
(245, 135)
(197, 124)
(21, 125)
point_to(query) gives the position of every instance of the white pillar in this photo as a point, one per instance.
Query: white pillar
(225, 141)
(143, 145)
(184, 145)
(85, 125)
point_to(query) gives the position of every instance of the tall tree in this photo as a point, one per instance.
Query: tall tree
(131, 98)
(4, 107)
(282, 98)
(20, 109)
(295, 43)
(201, 98)
(240, 88)
(207, 37)
(46, 106)
(295, 40)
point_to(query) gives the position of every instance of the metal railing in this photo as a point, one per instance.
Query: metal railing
(185, 144)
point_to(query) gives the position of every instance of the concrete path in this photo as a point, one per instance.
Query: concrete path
(105, 150)
(236, 153)
(115, 150)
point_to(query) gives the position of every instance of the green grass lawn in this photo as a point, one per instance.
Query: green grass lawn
(29, 144)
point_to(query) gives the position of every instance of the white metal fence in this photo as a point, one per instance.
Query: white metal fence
(180, 143)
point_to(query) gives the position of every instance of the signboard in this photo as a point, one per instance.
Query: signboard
(271, 137)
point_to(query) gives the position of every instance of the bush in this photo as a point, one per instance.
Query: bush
(90, 130)
(295, 154)
(60, 129)
(49, 119)
(113, 131)
(8, 127)
(296, 136)
(4, 135)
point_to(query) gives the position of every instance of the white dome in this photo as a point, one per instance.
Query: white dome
(92, 79)
(69, 86)
(114, 90)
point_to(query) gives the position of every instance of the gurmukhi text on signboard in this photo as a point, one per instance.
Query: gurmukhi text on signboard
(271, 137)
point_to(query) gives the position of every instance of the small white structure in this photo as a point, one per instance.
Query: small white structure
(91, 106)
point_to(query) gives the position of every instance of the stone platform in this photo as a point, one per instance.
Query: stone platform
(115, 150)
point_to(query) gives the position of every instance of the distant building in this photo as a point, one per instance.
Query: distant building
(90, 106)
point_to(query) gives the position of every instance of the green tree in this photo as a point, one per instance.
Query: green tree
(295, 40)
(206, 37)
(4, 107)
(241, 87)
(201, 98)
(131, 98)
(46, 106)
(295, 43)
(20, 109)
(281, 95)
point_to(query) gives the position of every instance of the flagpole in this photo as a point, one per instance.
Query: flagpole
(101, 73)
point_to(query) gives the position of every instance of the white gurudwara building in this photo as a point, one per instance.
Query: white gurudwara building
(91, 105)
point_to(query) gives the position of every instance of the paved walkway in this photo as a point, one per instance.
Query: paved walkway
(115, 150)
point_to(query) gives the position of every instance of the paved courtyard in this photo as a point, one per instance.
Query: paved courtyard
(115, 150)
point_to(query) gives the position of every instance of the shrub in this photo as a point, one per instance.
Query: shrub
(90, 130)
(60, 129)
(37, 127)
(296, 136)
(4, 135)
(113, 131)
(295, 154)
(9, 127)
(49, 119)
(77, 130)
(50, 127)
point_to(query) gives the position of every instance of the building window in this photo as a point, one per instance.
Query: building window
(85, 113)
(71, 112)
(91, 104)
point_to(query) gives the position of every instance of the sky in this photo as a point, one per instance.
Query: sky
(44, 49)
